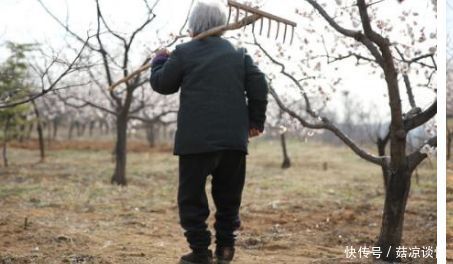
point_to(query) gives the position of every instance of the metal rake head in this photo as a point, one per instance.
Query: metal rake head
(238, 7)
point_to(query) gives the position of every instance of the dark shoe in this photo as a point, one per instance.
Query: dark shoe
(197, 257)
(224, 255)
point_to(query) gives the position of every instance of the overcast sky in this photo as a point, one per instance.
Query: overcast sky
(26, 21)
(449, 21)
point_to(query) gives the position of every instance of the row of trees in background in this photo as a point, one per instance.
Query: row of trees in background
(449, 99)
(81, 102)
(13, 85)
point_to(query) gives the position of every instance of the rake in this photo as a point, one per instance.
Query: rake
(251, 16)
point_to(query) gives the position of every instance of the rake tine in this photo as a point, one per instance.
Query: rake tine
(261, 29)
(237, 14)
(253, 27)
(292, 36)
(246, 15)
(269, 29)
(284, 35)
(229, 15)
(278, 30)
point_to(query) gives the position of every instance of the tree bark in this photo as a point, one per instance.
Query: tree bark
(5, 141)
(107, 128)
(56, 123)
(286, 161)
(119, 175)
(398, 182)
(398, 165)
(78, 129)
(381, 145)
(49, 131)
(39, 129)
(22, 133)
(393, 218)
(151, 134)
(165, 134)
(30, 130)
(71, 129)
(91, 128)
(81, 131)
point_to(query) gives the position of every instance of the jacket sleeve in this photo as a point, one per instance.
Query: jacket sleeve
(256, 92)
(166, 76)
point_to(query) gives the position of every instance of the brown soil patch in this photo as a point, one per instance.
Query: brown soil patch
(133, 145)
(294, 216)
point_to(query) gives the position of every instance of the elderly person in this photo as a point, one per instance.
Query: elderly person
(222, 103)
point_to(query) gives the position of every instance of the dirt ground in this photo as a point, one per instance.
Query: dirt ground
(450, 210)
(66, 211)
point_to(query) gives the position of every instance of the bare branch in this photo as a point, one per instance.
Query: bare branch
(417, 157)
(187, 17)
(85, 103)
(332, 22)
(109, 29)
(366, 24)
(421, 118)
(53, 84)
(308, 108)
(326, 124)
(102, 50)
(214, 31)
(66, 27)
(417, 59)
(357, 35)
(409, 92)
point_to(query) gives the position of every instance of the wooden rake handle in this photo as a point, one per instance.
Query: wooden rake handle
(214, 31)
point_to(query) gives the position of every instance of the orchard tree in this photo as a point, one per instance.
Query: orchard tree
(14, 84)
(161, 112)
(355, 38)
(276, 126)
(25, 80)
(108, 59)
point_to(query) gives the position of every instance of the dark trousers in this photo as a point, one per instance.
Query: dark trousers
(227, 168)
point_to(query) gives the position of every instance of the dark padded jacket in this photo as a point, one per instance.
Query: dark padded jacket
(223, 94)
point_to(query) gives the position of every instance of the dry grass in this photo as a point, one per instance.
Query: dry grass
(450, 210)
(301, 215)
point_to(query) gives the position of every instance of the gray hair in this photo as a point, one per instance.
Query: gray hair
(205, 16)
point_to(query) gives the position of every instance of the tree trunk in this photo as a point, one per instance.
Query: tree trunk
(56, 123)
(381, 145)
(107, 128)
(164, 132)
(104, 127)
(30, 130)
(286, 161)
(119, 175)
(91, 128)
(393, 218)
(40, 131)
(398, 181)
(49, 132)
(151, 134)
(22, 133)
(82, 130)
(71, 129)
(5, 141)
(77, 124)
